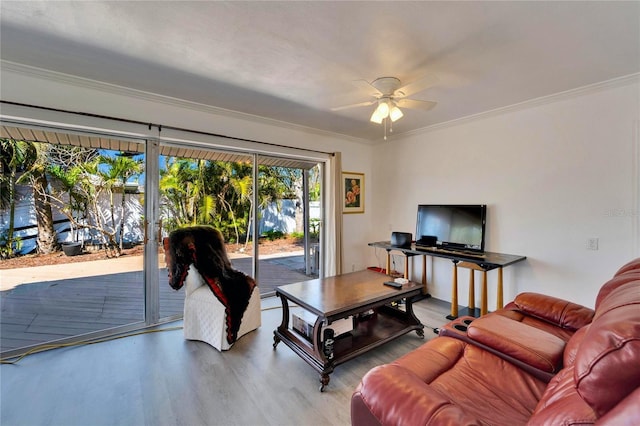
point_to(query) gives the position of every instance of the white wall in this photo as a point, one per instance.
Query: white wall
(38, 87)
(553, 174)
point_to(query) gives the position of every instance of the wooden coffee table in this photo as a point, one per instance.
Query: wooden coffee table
(356, 295)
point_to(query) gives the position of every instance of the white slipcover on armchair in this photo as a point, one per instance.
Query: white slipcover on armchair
(205, 317)
(221, 303)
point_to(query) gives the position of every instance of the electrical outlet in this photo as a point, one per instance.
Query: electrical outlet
(592, 244)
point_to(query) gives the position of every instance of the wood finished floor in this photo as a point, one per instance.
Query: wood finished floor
(161, 379)
(36, 313)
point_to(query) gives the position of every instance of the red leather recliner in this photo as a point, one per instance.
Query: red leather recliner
(538, 361)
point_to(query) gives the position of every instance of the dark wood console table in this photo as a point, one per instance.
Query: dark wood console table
(343, 296)
(484, 262)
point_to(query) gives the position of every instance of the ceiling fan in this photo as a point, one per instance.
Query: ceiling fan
(390, 96)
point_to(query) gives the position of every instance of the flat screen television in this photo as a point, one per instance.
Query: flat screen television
(456, 227)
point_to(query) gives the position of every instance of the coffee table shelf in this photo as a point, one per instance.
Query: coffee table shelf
(385, 324)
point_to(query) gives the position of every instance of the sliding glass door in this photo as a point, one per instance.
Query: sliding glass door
(81, 228)
(289, 245)
(204, 186)
(72, 262)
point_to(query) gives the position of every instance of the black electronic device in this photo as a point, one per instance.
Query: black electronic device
(393, 284)
(428, 241)
(401, 239)
(454, 227)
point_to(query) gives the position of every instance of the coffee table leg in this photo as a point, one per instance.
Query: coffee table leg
(324, 381)
(409, 309)
(284, 325)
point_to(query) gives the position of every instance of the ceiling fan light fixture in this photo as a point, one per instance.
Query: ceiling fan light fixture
(376, 118)
(381, 112)
(395, 113)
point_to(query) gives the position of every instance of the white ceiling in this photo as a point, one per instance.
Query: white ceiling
(294, 61)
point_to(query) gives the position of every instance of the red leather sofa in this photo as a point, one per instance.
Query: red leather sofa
(538, 361)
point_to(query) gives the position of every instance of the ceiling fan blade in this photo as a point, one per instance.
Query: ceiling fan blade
(416, 87)
(361, 104)
(416, 104)
(370, 88)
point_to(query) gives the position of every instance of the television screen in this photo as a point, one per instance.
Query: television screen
(453, 226)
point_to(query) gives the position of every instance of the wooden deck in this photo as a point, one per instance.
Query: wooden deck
(40, 312)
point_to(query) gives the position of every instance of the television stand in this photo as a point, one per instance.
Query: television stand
(484, 262)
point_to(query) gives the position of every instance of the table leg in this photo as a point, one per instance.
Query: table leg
(500, 302)
(472, 291)
(483, 308)
(284, 325)
(454, 293)
(324, 381)
(424, 275)
(406, 267)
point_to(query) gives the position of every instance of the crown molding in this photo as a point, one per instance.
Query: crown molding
(543, 100)
(167, 100)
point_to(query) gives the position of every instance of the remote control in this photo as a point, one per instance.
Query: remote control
(393, 284)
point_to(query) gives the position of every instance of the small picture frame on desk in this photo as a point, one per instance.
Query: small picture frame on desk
(353, 192)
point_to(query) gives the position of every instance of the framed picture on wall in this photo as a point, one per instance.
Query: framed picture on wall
(353, 192)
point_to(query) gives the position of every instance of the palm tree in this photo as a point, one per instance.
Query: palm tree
(219, 193)
(179, 194)
(119, 170)
(15, 156)
(68, 179)
(36, 175)
(67, 168)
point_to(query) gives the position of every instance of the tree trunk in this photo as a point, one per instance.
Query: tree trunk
(46, 233)
(12, 212)
(122, 208)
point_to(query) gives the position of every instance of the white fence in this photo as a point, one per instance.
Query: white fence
(284, 216)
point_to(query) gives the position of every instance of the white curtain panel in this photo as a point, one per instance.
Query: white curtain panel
(333, 258)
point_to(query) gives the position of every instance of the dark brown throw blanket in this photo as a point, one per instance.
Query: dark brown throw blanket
(204, 247)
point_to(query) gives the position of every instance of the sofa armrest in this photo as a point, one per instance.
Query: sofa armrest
(560, 312)
(392, 395)
(530, 345)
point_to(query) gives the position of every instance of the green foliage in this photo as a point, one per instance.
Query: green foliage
(273, 235)
(192, 191)
(314, 224)
(9, 247)
(220, 193)
(299, 236)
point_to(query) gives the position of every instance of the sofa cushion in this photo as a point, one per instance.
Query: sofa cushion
(472, 379)
(614, 283)
(561, 404)
(557, 311)
(606, 365)
(392, 395)
(571, 349)
(530, 345)
(512, 312)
